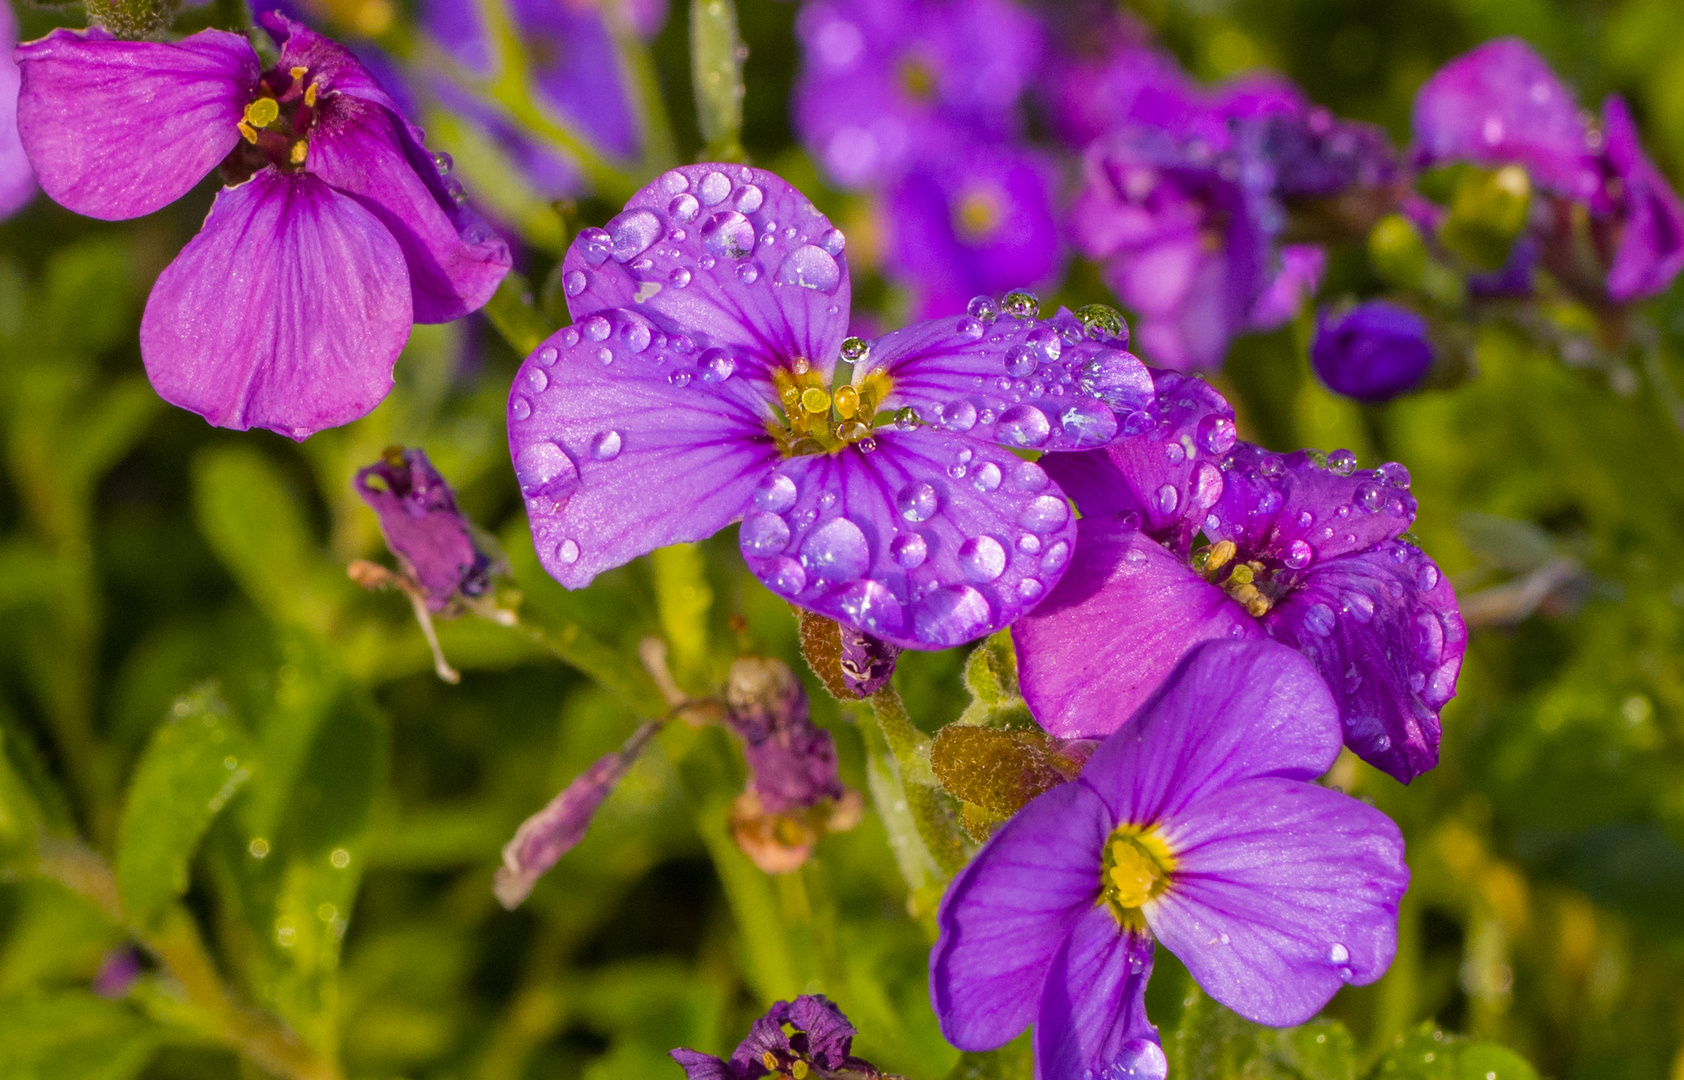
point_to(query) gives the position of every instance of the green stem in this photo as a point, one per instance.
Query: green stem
(931, 808)
(716, 71)
(659, 147)
(579, 649)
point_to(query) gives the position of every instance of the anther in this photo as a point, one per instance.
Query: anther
(815, 400)
(1221, 553)
(262, 112)
(299, 149)
(247, 132)
(770, 1060)
(299, 72)
(310, 95)
(847, 401)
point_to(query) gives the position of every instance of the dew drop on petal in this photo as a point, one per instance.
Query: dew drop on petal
(1342, 462)
(567, 552)
(748, 273)
(1055, 558)
(986, 477)
(1027, 477)
(958, 415)
(606, 446)
(1023, 425)
(1207, 485)
(776, 493)
(674, 181)
(983, 309)
(1044, 514)
(548, 355)
(763, 534)
(1087, 423)
(717, 366)
(908, 550)
(632, 233)
(545, 471)
(1029, 544)
(1029, 588)
(1298, 555)
(1369, 497)
(595, 245)
(1338, 955)
(684, 208)
(605, 356)
(1044, 340)
(809, 267)
(1426, 578)
(1216, 434)
(836, 551)
(574, 282)
(635, 335)
(520, 408)
(833, 242)
(1393, 474)
(1022, 360)
(1175, 453)
(728, 235)
(1358, 606)
(1318, 620)
(787, 577)
(870, 606)
(596, 328)
(713, 188)
(1168, 499)
(570, 336)
(951, 615)
(918, 501)
(680, 277)
(982, 559)
(748, 198)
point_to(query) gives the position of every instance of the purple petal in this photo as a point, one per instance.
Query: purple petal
(576, 68)
(1166, 476)
(117, 129)
(455, 260)
(1093, 92)
(1026, 383)
(700, 1066)
(1092, 1021)
(1009, 911)
(867, 663)
(725, 252)
(1231, 711)
(1282, 892)
(829, 1034)
(1501, 104)
(286, 312)
(1383, 629)
(1651, 245)
(1290, 508)
(422, 525)
(1081, 684)
(331, 66)
(622, 443)
(1296, 280)
(17, 179)
(1373, 352)
(927, 542)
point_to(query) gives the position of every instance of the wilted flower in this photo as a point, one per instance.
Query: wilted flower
(289, 308)
(795, 1039)
(17, 179)
(1197, 825)
(886, 83)
(1303, 549)
(1373, 352)
(437, 543)
(698, 386)
(867, 663)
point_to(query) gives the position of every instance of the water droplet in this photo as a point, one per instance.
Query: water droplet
(1029, 544)
(908, 550)
(854, 349)
(748, 199)
(520, 408)
(635, 334)
(810, 268)
(674, 181)
(1271, 467)
(836, 551)
(443, 162)
(1175, 453)
(605, 356)
(1369, 497)
(1102, 323)
(1318, 620)
(763, 535)
(870, 606)
(957, 471)
(717, 366)
(787, 577)
(537, 380)
(1357, 606)
(1027, 477)
(1029, 588)
(728, 235)
(950, 615)
(1022, 360)
(680, 379)
(1216, 434)
(1055, 558)
(958, 415)
(606, 446)
(684, 208)
(1207, 486)
(986, 477)
(983, 309)
(570, 337)
(574, 282)
(1426, 578)
(1168, 499)
(748, 273)
(906, 418)
(1020, 304)
(1046, 343)
(545, 471)
(596, 328)
(1270, 502)
(713, 188)
(1298, 555)
(982, 559)
(1305, 519)
(595, 244)
(1338, 955)
(1044, 514)
(547, 355)
(567, 552)
(680, 277)
(632, 233)
(1342, 462)
(1087, 423)
(969, 329)
(918, 501)
(1023, 425)
(776, 493)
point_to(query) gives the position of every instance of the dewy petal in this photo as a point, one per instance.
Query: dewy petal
(1383, 628)
(1093, 1005)
(117, 129)
(1282, 892)
(1009, 911)
(622, 444)
(1651, 246)
(455, 260)
(1152, 608)
(1501, 104)
(1166, 476)
(1272, 503)
(726, 252)
(927, 541)
(17, 179)
(286, 312)
(1026, 383)
(1231, 711)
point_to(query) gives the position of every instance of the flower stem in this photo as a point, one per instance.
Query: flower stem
(931, 808)
(578, 649)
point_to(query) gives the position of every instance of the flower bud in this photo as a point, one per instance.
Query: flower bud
(1373, 352)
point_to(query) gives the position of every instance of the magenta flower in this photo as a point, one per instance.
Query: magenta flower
(1649, 251)
(1374, 352)
(1302, 552)
(1197, 825)
(795, 1039)
(698, 386)
(17, 179)
(289, 308)
(885, 83)
(435, 541)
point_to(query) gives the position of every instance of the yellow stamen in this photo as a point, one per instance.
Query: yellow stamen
(299, 149)
(310, 95)
(1135, 868)
(979, 213)
(1221, 553)
(246, 130)
(770, 1060)
(847, 401)
(815, 400)
(262, 112)
(798, 1070)
(298, 73)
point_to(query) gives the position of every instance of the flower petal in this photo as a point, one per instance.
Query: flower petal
(1008, 912)
(1166, 476)
(1092, 1020)
(1282, 892)
(1230, 711)
(1383, 629)
(726, 252)
(331, 66)
(455, 260)
(286, 312)
(1651, 247)
(1083, 684)
(117, 129)
(621, 444)
(1026, 383)
(1292, 509)
(927, 542)
(17, 179)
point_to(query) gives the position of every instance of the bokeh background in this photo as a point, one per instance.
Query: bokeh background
(154, 571)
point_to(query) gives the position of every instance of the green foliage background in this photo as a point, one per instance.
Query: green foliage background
(213, 743)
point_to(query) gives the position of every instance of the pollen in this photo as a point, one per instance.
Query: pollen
(298, 73)
(310, 95)
(1135, 868)
(247, 132)
(815, 400)
(299, 150)
(262, 112)
(979, 213)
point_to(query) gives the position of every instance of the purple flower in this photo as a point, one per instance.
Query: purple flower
(1373, 352)
(1500, 104)
(289, 308)
(791, 760)
(1650, 250)
(794, 1039)
(17, 179)
(1197, 825)
(867, 663)
(1106, 74)
(418, 517)
(1303, 552)
(696, 388)
(1312, 153)
(980, 221)
(885, 83)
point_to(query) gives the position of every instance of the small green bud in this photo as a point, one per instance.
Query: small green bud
(1487, 212)
(1398, 252)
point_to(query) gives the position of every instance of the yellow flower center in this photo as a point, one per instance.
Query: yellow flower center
(979, 213)
(819, 420)
(1136, 867)
(918, 79)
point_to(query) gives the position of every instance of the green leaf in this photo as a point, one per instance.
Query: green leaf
(72, 1036)
(1213, 1043)
(19, 818)
(194, 764)
(1429, 1053)
(512, 312)
(88, 293)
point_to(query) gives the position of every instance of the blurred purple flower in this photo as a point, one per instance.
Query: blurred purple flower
(1373, 352)
(817, 1042)
(418, 517)
(118, 971)
(887, 83)
(696, 388)
(1105, 75)
(1196, 824)
(1649, 251)
(17, 179)
(978, 222)
(1303, 552)
(289, 308)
